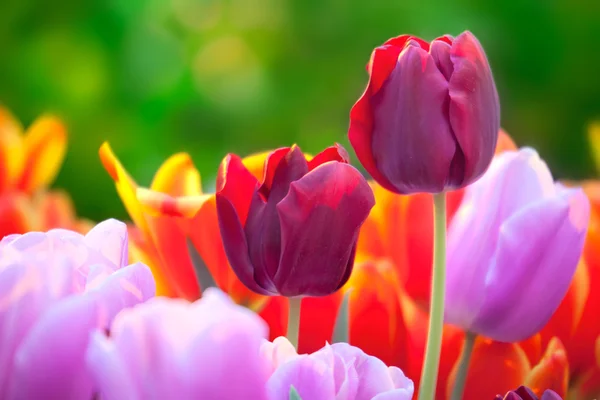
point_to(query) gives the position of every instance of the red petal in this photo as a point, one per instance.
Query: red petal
(552, 372)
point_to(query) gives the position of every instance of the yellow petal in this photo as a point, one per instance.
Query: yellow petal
(126, 186)
(45, 145)
(594, 138)
(157, 203)
(177, 176)
(11, 150)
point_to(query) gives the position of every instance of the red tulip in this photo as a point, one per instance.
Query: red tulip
(428, 120)
(294, 232)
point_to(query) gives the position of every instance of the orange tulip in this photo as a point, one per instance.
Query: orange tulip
(168, 215)
(29, 162)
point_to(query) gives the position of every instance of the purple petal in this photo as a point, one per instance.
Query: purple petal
(410, 113)
(315, 261)
(514, 180)
(537, 254)
(110, 239)
(262, 229)
(474, 105)
(310, 377)
(50, 363)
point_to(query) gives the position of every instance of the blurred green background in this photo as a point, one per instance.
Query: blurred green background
(155, 77)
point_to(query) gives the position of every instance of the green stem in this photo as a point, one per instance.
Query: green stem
(294, 320)
(436, 308)
(463, 366)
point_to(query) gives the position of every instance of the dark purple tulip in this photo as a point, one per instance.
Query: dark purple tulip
(524, 393)
(294, 232)
(428, 120)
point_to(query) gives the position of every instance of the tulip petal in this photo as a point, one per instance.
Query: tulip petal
(514, 180)
(333, 195)
(474, 105)
(557, 223)
(360, 133)
(177, 176)
(110, 239)
(16, 214)
(317, 319)
(333, 153)
(45, 146)
(11, 150)
(305, 374)
(552, 372)
(157, 203)
(408, 129)
(505, 142)
(235, 189)
(51, 371)
(126, 186)
(262, 228)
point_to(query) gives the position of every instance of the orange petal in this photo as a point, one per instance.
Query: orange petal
(417, 320)
(505, 142)
(376, 321)
(552, 372)
(45, 146)
(56, 210)
(11, 150)
(567, 317)
(533, 348)
(157, 203)
(204, 232)
(126, 186)
(177, 176)
(275, 314)
(598, 351)
(16, 214)
(142, 251)
(255, 163)
(495, 368)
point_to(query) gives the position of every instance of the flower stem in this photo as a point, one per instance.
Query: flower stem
(294, 320)
(463, 366)
(436, 308)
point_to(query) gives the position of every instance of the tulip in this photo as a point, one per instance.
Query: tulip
(294, 232)
(428, 120)
(58, 287)
(524, 393)
(513, 248)
(337, 371)
(171, 213)
(29, 162)
(173, 349)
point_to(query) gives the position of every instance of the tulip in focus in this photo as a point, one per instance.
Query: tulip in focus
(29, 162)
(428, 120)
(57, 288)
(513, 248)
(293, 232)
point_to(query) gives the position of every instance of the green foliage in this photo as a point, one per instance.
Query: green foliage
(155, 77)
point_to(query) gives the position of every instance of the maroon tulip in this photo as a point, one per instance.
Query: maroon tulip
(295, 232)
(428, 120)
(524, 393)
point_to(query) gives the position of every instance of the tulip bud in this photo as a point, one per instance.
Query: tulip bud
(524, 393)
(295, 232)
(428, 120)
(513, 247)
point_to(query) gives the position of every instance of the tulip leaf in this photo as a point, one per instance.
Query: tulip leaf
(294, 394)
(203, 275)
(341, 329)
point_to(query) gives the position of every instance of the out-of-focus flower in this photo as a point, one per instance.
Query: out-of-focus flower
(57, 287)
(421, 93)
(173, 349)
(29, 162)
(337, 371)
(293, 232)
(172, 212)
(513, 247)
(524, 393)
